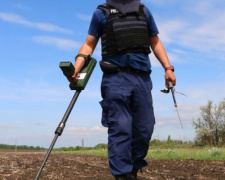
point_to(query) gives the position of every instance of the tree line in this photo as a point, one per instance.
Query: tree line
(21, 147)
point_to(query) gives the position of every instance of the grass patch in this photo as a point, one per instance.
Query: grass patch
(189, 153)
(207, 153)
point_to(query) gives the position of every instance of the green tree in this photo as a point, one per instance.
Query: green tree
(210, 128)
(101, 146)
(155, 142)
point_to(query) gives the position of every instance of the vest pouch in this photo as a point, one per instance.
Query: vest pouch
(130, 34)
(108, 67)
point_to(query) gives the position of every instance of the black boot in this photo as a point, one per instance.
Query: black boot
(120, 177)
(127, 176)
(134, 173)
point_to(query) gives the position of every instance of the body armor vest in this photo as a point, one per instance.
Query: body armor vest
(124, 33)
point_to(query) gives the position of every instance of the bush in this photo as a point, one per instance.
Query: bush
(215, 152)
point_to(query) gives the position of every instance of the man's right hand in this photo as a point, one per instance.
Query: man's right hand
(169, 76)
(73, 79)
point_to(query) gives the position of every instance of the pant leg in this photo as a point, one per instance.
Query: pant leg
(143, 120)
(128, 114)
(117, 116)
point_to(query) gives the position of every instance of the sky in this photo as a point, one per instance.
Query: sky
(35, 36)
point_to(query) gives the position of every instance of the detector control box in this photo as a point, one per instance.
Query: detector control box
(83, 76)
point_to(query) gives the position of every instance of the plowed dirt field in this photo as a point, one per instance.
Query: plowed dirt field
(25, 165)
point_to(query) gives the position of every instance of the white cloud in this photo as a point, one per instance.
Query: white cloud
(15, 18)
(87, 131)
(61, 43)
(83, 17)
(27, 90)
(173, 57)
(169, 29)
(203, 37)
(7, 126)
(196, 29)
(20, 6)
(200, 7)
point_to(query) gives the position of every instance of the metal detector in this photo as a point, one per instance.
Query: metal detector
(83, 77)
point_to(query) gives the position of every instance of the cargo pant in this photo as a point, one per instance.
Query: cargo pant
(127, 111)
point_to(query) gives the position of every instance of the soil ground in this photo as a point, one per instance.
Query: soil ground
(25, 165)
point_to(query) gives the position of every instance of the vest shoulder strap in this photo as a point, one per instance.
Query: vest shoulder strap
(107, 9)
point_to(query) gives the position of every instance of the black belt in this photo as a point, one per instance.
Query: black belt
(112, 68)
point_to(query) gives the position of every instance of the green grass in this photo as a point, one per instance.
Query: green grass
(207, 153)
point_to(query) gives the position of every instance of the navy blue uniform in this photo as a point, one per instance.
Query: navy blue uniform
(127, 108)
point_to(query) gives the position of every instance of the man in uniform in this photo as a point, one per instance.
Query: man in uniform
(127, 31)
